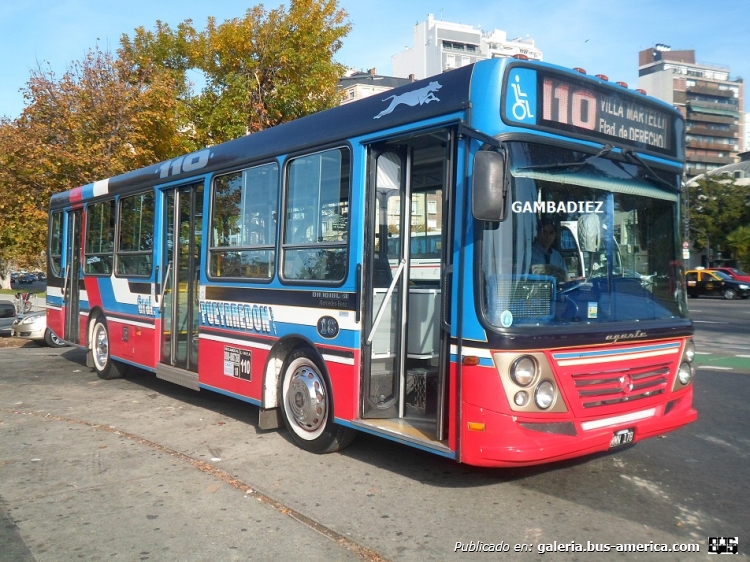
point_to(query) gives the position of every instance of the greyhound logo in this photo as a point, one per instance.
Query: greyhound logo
(412, 99)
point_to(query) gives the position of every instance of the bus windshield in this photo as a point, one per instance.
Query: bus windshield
(587, 240)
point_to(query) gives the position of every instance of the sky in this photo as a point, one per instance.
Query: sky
(602, 36)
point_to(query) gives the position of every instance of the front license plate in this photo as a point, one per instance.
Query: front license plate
(622, 437)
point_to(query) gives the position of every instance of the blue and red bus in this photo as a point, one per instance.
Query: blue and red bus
(278, 268)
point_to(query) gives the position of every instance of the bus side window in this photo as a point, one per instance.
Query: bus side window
(316, 217)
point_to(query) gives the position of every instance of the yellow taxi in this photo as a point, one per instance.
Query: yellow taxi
(702, 282)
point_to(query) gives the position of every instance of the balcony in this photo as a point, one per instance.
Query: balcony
(732, 133)
(713, 108)
(709, 159)
(726, 147)
(706, 91)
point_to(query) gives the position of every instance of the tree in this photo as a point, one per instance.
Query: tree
(739, 241)
(261, 70)
(717, 207)
(98, 120)
(107, 115)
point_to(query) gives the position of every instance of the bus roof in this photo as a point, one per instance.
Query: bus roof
(370, 114)
(432, 97)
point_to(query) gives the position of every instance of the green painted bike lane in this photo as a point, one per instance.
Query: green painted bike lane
(737, 363)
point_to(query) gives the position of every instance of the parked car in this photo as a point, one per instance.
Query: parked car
(7, 316)
(702, 282)
(733, 272)
(33, 326)
(26, 278)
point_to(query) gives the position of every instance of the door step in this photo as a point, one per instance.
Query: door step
(177, 376)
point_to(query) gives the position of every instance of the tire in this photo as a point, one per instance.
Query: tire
(306, 405)
(27, 306)
(730, 294)
(52, 340)
(106, 367)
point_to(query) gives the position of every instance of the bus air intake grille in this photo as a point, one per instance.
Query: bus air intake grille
(526, 297)
(605, 388)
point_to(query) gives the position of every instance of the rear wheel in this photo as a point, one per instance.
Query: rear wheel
(306, 404)
(730, 294)
(105, 366)
(52, 340)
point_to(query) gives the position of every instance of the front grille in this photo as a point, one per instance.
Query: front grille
(605, 388)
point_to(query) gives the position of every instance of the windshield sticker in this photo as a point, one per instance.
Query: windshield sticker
(587, 207)
(593, 309)
(506, 319)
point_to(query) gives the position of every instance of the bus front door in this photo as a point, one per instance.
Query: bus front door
(179, 301)
(72, 287)
(403, 348)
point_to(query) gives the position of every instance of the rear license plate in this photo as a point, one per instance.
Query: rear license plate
(622, 437)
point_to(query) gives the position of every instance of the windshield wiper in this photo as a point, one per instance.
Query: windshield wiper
(633, 156)
(606, 149)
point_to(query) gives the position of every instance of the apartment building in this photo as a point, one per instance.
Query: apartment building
(712, 103)
(440, 46)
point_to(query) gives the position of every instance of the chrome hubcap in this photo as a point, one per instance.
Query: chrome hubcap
(306, 399)
(101, 346)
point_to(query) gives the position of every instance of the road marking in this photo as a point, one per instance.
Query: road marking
(708, 322)
(703, 353)
(746, 356)
(714, 367)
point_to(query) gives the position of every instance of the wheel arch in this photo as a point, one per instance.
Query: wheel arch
(275, 362)
(96, 314)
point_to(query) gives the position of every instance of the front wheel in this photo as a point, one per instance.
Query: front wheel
(306, 404)
(52, 340)
(730, 294)
(106, 367)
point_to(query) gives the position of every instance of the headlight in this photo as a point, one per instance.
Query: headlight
(521, 398)
(523, 370)
(689, 353)
(32, 319)
(544, 394)
(744, 287)
(685, 373)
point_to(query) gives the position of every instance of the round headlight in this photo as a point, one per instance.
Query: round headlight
(689, 351)
(523, 370)
(521, 398)
(685, 373)
(544, 394)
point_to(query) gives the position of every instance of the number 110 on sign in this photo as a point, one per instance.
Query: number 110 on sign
(575, 107)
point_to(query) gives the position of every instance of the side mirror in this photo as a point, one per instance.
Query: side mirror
(488, 186)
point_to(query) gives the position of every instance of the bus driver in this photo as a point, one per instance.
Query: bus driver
(544, 258)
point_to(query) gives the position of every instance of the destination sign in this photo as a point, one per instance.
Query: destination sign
(555, 101)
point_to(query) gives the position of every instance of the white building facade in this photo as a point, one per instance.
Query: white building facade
(440, 46)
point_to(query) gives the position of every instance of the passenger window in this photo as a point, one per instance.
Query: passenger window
(244, 223)
(136, 240)
(56, 243)
(100, 238)
(316, 217)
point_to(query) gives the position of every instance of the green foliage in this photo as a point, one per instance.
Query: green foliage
(718, 207)
(106, 115)
(266, 68)
(739, 241)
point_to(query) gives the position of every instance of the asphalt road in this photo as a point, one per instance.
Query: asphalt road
(139, 469)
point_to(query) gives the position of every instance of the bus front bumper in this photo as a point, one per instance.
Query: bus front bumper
(515, 441)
